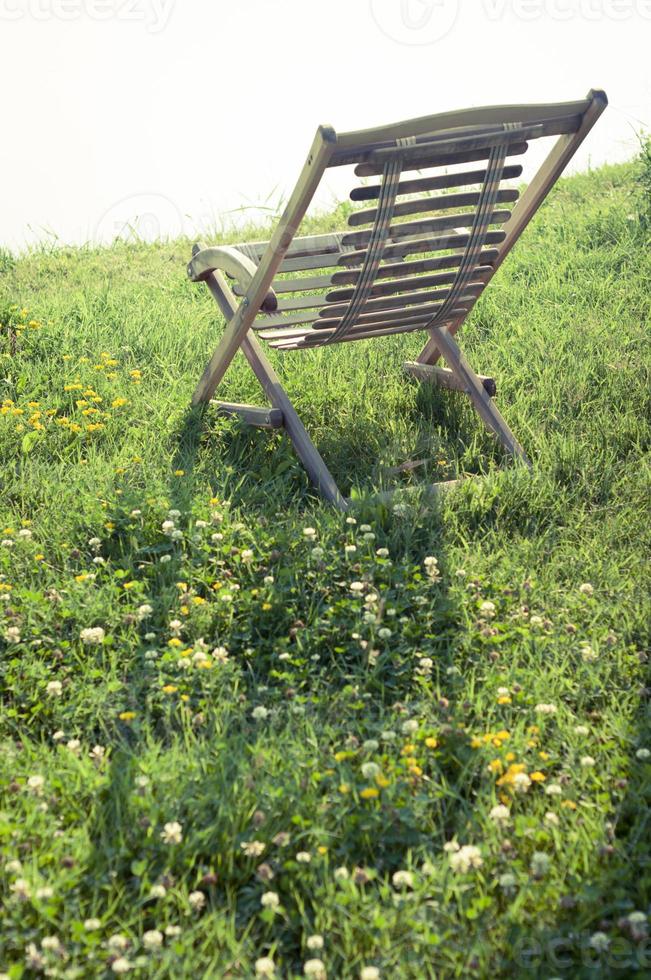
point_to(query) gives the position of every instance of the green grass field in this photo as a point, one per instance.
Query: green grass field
(241, 732)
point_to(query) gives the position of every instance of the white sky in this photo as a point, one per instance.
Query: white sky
(171, 114)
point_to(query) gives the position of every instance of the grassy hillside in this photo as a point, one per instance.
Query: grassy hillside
(237, 725)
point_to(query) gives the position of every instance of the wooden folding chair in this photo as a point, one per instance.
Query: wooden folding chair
(415, 260)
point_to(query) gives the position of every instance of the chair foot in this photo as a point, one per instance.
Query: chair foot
(262, 418)
(446, 378)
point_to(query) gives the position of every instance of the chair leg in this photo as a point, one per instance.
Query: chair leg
(305, 449)
(482, 401)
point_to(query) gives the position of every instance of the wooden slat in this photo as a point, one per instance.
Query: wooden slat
(476, 116)
(388, 287)
(262, 418)
(399, 269)
(423, 313)
(439, 244)
(437, 159)
(445, 378)
(294, 285)
(428, 148)
(321, 260)
(443, 202)
(430, 226)
(392, 307)
(333, 310)
(440, 182)
(361, 333)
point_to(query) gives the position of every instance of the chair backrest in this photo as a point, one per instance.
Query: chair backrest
(442, 214)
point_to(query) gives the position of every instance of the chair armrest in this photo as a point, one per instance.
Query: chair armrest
(233, 263)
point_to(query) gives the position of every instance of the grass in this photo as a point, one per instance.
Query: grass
(251, 721)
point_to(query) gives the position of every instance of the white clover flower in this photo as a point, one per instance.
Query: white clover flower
(157, 891)
(153, 939)
(356, 587)
(587, 761)
(371, 745)
(315, 969)
(643, 754)
(92, 635)
(92, 925)
(369, 973)
(164, 559)
(35, 785)
(487, 609)
(268, 580)
(350, 549)
(97, 753)
(265, 967)
(388, 736)
(599, 941)
(507, 881)
(136, 512)
(25, 533)
(7, 543)
(13, 867)
(58, 736)
(220, 655)
(176, 535)
(381, 553)
(33, 959)
(465, 858)
(121, 965)
(546, 709)
(172, 931)
(167, 527)
(253, 848)
(95, 543)
(303, 857)
(500, 814)
(341, 874)
(402, 879)
(409, 727)
(12, 634)
(370, 770)
(521, 782)
(314, 942)
(369, 536)
(117, 942)
(54, 689)
(201, 524)
(588, 655)
(270, 900)
(384, 633)
(246, 555)
(172, 833)
(21, 888)
(581, 730)
(197, 900)
(553, 789)
(309, 533)
(551, 819)
(144, 611)
(174, 514)
(73, 745)
(586, 589)
(259, 713)
(539, 864)
(536, 621)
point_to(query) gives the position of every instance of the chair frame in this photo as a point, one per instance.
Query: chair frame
(255, 282)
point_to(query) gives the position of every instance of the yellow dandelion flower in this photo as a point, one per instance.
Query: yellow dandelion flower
(199, 600)
(127, 715)
(170, 689)
(179, 472)
(537, 777)
(128, 585)
(369, 793)
(431, 743)
(174, 642)
(119, 402)
(504, 699)
(266, 606)
(344, 788)
(382, 781)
